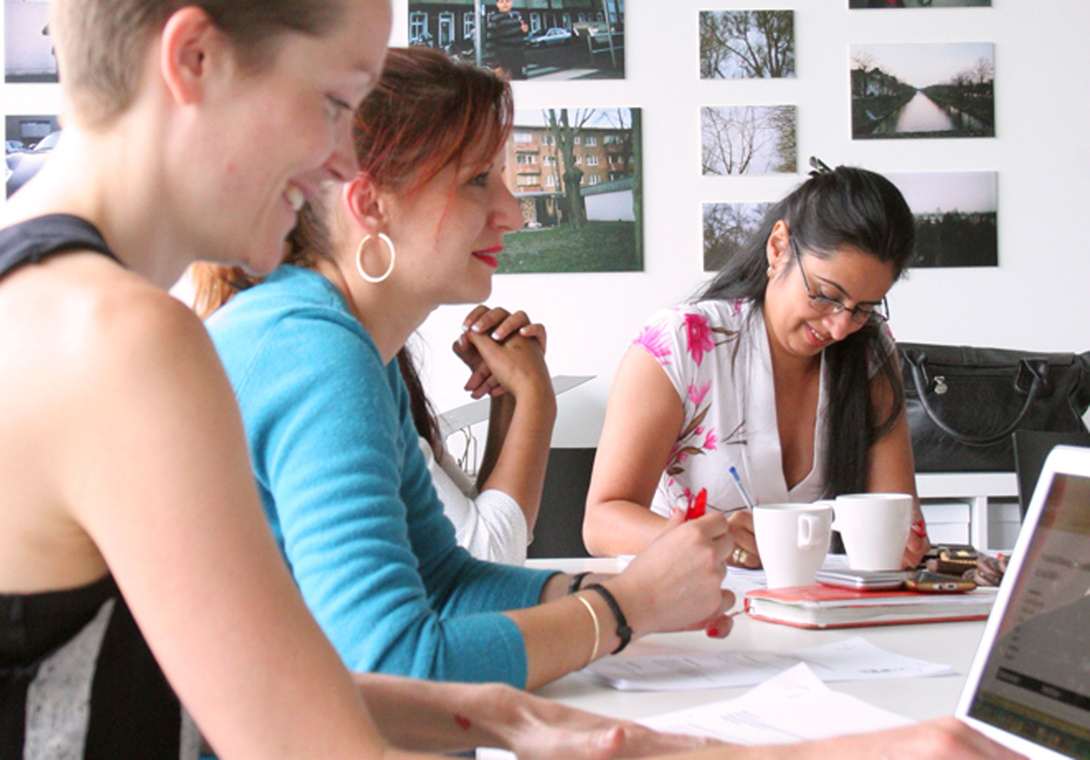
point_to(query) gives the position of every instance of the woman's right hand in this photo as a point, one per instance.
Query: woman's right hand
(676, 582)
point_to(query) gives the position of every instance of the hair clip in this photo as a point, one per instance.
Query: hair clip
(819, 167)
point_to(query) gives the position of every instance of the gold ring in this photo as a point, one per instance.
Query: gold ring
(739, 556)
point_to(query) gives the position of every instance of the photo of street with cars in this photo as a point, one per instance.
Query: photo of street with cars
(526, 39)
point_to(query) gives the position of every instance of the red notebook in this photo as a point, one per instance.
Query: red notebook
(821, 606)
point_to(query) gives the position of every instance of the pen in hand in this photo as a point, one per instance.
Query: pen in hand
(741, 488)
(697, 506)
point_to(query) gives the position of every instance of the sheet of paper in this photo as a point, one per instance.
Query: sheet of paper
(793, 706)
(853, 659)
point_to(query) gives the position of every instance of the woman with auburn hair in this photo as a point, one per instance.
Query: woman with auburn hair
(311, 354)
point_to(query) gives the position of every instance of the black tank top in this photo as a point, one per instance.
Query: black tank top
(77, 679)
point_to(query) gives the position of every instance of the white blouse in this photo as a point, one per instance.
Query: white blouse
(490, 524)
(720, 364)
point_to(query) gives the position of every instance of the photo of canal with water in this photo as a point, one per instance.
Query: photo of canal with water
(923, 90)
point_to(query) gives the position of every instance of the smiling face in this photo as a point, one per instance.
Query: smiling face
(449, 231)
(847, 275)
(272, 137)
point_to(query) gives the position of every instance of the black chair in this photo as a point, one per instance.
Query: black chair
(559, 530)
(1031, 448)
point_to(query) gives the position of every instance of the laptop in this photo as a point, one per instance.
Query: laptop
(1029, 685)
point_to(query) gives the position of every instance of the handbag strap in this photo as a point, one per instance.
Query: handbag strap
(1035, 389)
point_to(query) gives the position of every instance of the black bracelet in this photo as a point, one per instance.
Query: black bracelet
(624, 633)
(577, 581)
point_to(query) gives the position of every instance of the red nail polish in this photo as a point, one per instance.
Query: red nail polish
(713, 632)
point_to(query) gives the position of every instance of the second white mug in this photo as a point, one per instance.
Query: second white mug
(874, 528)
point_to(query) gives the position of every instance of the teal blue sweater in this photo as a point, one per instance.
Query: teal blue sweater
(348, 495)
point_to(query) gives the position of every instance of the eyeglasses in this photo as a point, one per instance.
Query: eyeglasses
(875, 314)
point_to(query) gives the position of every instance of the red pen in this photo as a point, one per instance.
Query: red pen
(696, 506)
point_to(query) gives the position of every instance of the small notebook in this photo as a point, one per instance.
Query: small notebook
(821, 606)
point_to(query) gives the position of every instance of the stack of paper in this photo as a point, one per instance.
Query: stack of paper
(854, 659)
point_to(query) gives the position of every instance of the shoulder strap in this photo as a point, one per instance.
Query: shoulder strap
(32, 240)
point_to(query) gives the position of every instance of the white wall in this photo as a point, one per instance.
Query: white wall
(1035, 299)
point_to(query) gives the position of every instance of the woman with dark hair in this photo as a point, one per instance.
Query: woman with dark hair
(311, 353)
(493, 514)
(782, 368)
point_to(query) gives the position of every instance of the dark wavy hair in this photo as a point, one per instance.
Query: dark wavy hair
(836, 208)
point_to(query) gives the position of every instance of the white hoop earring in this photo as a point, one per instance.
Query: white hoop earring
(359, 258)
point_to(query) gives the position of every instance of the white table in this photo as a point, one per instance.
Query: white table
(919, 698)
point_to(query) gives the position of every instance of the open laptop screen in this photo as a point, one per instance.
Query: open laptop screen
(1035, 680)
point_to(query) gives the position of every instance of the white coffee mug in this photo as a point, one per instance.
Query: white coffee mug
(874, 528)
(792, 540)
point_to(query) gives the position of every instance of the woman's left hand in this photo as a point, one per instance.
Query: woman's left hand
(918, 543)
(740, 524)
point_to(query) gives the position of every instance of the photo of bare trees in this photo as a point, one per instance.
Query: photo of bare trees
(747, 44)
(577, 175)
(727, 227)
(749, 140)
(923, 90)
(918, 3)
(955, 215)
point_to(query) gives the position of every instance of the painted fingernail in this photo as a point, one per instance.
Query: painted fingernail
(712, 632)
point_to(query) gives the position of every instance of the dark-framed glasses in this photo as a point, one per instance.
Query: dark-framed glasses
(875, 314)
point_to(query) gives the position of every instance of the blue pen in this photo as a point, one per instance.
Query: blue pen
(741, 488)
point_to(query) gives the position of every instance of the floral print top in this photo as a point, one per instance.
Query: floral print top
(718, 360)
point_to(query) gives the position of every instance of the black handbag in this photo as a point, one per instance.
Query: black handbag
(963, 403)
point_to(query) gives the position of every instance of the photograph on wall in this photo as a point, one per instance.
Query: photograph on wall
(749, 140)
(919, 3)
(27, 143)
(28, 48)
(747, 44)
(955, 215)
(577, 175)
(537, 40)
(727, 228)
(923, 90)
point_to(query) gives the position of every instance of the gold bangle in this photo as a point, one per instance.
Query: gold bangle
(597, 628)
